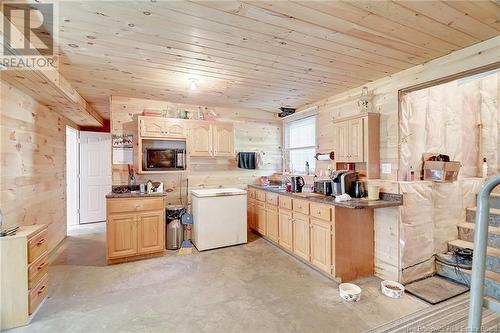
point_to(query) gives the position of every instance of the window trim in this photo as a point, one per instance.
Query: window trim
(311, 112)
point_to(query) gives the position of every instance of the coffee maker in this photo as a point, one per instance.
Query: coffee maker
(297, 183)
(343, 181)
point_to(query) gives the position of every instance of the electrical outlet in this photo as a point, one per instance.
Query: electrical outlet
(386, 168)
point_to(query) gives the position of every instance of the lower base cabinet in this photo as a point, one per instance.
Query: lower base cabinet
(272, 224)
(251, 214)
(321, 245)
(135, 228)
(285, 237)
(301, 235)
(260, 225)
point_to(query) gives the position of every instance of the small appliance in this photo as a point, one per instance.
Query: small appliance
(164, 159)
(342, 181)
(297, 183)
(323, 186)
(358, 189)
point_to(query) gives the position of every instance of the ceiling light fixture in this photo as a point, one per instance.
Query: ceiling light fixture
(193, 84)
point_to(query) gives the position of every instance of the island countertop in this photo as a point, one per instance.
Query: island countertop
(387, 199)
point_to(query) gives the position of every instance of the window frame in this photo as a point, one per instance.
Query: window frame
(287, 150)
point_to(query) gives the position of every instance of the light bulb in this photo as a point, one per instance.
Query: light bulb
(192, 84)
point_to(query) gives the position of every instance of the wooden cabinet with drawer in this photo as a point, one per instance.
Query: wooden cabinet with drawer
(285, 202)
(321, 244)
(272, 198)
(25, 283)
(260, 195)
(260, 208)
(135, 228)
(301, 206)
(272, 222)
(321, 211)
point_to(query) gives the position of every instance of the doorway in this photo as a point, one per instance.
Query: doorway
(72, 182)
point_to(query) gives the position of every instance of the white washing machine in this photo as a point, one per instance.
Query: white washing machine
(219, 217)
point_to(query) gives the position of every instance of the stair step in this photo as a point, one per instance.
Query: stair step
(494, 200)
(494, 218)
(463, 276)
(466, 233)
(492, 258)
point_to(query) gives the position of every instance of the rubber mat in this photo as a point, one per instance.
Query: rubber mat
(435, 289)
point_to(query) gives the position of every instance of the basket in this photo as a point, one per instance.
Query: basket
(441, 171)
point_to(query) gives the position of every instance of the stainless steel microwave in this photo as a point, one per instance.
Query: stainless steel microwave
(164, 159)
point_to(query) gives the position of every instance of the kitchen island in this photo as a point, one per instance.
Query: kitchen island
(336, 238)
(135, 226)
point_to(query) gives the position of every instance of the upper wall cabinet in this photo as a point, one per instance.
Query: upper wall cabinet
(155, 127)
(356, 140)
(211, 139)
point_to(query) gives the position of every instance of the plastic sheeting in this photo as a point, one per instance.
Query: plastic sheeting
(445, 119)
(428, 221)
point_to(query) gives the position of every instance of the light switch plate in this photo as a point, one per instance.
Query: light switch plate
(386, 167)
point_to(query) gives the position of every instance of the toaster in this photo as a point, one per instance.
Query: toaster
(323, 186)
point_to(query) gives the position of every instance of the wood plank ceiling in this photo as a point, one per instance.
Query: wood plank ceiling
(252, 54)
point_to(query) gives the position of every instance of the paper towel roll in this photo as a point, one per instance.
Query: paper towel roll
(325, 157)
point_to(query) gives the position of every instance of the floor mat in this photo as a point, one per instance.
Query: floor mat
(435, 289)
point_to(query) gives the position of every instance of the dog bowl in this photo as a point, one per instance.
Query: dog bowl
(392, 289)
(350, 292)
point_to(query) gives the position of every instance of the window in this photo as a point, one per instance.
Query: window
(300, 144)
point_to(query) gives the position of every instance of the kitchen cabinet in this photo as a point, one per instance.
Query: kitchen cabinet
(24, 274)
(251, 218)
(272, 222)
(301, 235)
(285, 229)
(122, 235)
(321, 244)
(157, 127)
(356, 140)
(260, 217)
(320, 234)
(150, 232)
(135, 227)
(223, 139)
(201, 139)
(211, 139)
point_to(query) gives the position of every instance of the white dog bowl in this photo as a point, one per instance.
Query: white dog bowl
(392, 289)
(350, 292)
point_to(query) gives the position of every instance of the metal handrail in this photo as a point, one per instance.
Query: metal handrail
(479, 257)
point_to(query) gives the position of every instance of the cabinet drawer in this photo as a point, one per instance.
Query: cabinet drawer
(37, 246)
(260, 195)
(251, 193)
(37, 270)
(272, 198)
(285, 202)
(321, 211)
(301, 206)
(134, 205)
(260, 204)
(271, 207)
(38, 293)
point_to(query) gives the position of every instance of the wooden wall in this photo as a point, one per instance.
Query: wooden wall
(385, 99)
(33, 163)
(254, 131)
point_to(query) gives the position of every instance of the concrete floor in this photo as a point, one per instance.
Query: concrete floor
(250, 288)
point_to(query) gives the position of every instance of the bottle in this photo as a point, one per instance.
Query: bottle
(485, 168)
(307, 168)
(149, 187)
(411, 174)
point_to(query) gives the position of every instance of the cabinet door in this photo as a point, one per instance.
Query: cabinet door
(333, 250)
(285, 229)
(261, 218)
(154, 127)
(176, 128)
(301, 235)
(251, 214)
(321, 245)
(223, 142)
(341, 141)
(272, 223)
(356, 140)
(201, 139)
(151, 232)
(121, 235)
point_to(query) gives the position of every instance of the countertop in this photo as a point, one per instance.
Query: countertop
(387, 199)
(134, 195)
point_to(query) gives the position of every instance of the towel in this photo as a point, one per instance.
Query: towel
(343, 197)
(247, 160)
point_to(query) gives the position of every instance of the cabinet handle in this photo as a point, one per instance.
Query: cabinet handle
(311, 226)
(40, 242)
(319, 212)
(41, 290)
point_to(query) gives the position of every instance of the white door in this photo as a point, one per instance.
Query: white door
(72, 190)
(95, 175)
